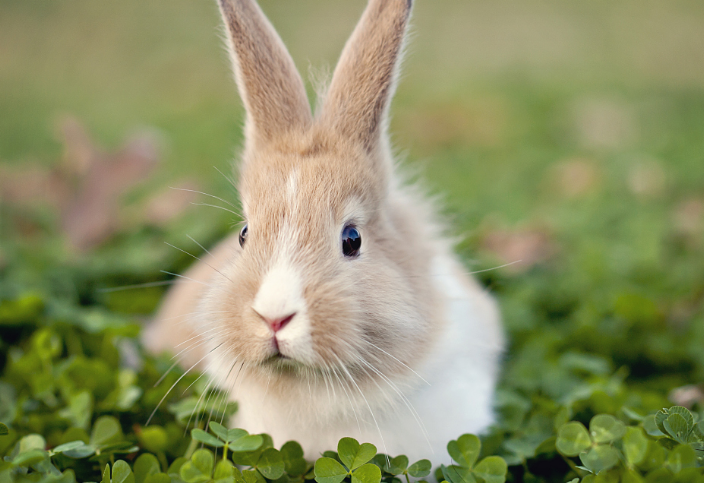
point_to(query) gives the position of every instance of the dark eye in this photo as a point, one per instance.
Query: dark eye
(243, 235)
(351, 241)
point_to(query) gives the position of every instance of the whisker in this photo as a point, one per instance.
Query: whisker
(184, 277)
(138, 285)
(397, 360)
(201, 246)
(205, 194)
(197, 258)
(217, 206)
(175, 383)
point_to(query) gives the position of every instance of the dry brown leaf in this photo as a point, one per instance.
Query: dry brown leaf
(604, 123)
(687, 396)
(575, 177)
(169, 203)
(86, 186)
(92, 216)
(688, 218)
(646, 178)
(530, 246)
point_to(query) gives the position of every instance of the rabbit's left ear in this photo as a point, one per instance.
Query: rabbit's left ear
(270, 86)
(363, 82)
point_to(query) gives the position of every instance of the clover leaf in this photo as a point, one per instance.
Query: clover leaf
(605, 428)
(420, 469)
(635, 445)
(292, 454)
(465, 451)
(355, 458)
(328, 470)
(199, 468)
(352, 454)
(572, 439)
(206, 438)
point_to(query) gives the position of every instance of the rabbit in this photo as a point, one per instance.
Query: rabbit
(339, 309)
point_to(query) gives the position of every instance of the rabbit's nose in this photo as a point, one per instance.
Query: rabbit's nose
(278, 323)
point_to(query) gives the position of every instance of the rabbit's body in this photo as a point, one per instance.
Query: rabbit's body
(339, 310)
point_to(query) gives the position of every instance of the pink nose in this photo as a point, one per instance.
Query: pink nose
(279, 323)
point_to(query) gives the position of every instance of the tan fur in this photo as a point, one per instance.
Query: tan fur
(365, 320)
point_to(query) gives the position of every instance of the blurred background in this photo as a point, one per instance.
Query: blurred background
(565, 136)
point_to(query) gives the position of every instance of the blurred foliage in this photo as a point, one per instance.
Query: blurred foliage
(566, 135)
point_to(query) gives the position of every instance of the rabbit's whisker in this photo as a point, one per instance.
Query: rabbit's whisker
(197, 258)
(217, 206)
(175, 383)
(184, 277)
(397, 360)
(138, 285)
(352, 405)
(205, 194)
(371, 412)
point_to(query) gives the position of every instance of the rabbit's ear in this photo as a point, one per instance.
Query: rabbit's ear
(364, 80)
(270, 86)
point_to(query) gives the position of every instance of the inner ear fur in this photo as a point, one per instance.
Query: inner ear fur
(271, 88)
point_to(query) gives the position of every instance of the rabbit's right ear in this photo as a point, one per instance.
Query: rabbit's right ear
(270, 86)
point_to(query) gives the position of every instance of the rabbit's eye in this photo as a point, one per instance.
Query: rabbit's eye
(243, 235)
(351, 241)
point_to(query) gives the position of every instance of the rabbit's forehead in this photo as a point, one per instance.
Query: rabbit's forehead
(312, 191)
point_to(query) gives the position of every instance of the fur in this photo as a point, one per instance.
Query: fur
(397, 346)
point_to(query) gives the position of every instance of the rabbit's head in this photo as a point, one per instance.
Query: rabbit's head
(332, 268)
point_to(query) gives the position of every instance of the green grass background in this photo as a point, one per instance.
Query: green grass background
(495, 95)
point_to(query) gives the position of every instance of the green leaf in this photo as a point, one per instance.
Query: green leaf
(573, 439)
(154, 439)
(224, 470)
(599, 458)
(158, 478)
(80, 452)
(492, 469)
(397, 465)
(175, 468)
(294, 462)
(206, 438)
(199, 468)
(4, 430)
(683, 456)
(420, 469)
(605, 428)
(145, 465)
(32, 442)
(465, 450)
(368, 473)
(271, 464)
(635, 445)
(252, 476)
(677, 427)
(67, 447)
(246, 443)
(328, 470)
(457, 474)
(651, 427)
(122, 473)
(352, 454)
(29, 458)
(219, 430)
(106, 474)
(106, 430)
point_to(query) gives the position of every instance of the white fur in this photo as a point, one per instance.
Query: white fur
(280, 295)
(461, 373)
